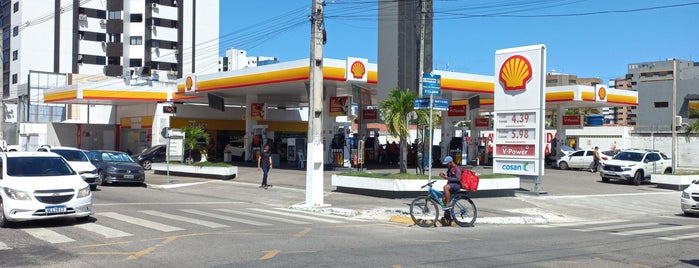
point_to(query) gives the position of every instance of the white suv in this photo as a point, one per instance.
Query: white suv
(40, 185)
(635, 166)
(78, 160)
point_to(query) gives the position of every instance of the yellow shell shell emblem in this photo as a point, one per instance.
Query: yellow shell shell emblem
(358, 69)
(188, 83)
(515, 72)
(602, 93)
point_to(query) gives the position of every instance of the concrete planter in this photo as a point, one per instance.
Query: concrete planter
(675, 182)
(224, 173)
(402, 187)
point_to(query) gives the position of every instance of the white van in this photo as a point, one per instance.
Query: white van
(78, 161)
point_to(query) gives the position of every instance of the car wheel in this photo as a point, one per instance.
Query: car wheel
(668, 171)
(637, 178)
(93, 187)
(101, 177)
(605, 179)
(689, 214)
(4, 223)
(563, 165)
(83, 219)
(242, 157)
(146, 164)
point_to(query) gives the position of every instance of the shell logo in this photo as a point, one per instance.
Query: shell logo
(358, 70)
(188, 83)
(515, 72)
(602, 93)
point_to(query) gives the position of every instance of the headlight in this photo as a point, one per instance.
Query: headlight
(111, 168)
(84, 192)
(626, 169)
(16, 194)
(685, 195)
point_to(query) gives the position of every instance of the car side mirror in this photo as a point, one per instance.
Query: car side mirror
(645, 161)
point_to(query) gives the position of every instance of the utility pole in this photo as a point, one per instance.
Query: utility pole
(421, 60)
(674, 116)
(314, 147)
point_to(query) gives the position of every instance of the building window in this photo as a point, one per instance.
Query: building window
(136, 40)
(15, 7)
(693, 109)
(15, 54)
(136, 17)
(114, 15)
(155, 43)
(660, 104)
(135, 62)
(15, 31)
(14, 79)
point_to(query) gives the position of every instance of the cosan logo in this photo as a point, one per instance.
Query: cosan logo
(515, 167)
(515, 73)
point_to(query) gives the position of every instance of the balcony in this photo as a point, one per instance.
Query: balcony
(113, 70)
(115, 49)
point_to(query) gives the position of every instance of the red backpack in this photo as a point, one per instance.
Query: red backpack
(469, 180)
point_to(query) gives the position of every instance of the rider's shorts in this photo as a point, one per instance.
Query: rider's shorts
(454, 187)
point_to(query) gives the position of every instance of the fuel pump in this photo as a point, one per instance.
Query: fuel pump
(371, 145)
(339, 146)
(458, 145)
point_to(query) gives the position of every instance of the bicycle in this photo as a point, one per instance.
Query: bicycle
(425, 212)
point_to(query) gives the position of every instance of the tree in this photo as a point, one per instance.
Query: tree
(691, 130)
(192, 137)
(395, 110)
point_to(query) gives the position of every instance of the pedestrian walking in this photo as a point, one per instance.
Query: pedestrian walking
(594, 167)
(264, 162)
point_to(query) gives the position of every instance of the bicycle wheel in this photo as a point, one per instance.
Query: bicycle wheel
(463, 211)
(424, 211)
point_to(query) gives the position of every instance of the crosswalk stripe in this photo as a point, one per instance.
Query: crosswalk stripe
(222, 217)
(184, 219)
(48, 235)
(313, 213)
(141, 222)
(657, 230)
(572, 224)
(294, 215)
(680, 237)
(102, 230)
(262, 216)
(4, 246)
(622, 226)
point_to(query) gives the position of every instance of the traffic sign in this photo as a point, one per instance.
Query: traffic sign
(440, 104)
(431, 84)
(421, 103)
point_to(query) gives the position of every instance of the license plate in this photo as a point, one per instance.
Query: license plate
(55, 209)
(128, 176)
(611, 173)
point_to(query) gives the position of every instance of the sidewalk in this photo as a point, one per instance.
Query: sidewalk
(564, 202)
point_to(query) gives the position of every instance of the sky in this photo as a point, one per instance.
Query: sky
(587, 38)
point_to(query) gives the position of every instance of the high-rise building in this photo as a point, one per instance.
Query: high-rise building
(625, 115)
(236, 59)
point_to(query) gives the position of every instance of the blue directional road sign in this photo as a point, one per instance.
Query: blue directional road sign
(440, 104)
(431, 84)
(421, 103)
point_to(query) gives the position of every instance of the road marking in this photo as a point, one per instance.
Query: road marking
(48, 235)
(169, 203)
(141, 222)
(314, 213)
(176, 185)
(184, 219)
(262, 216)
(222, 217)
(102, 230)
(294, 215)
(4, 246)
(606, 228)
(658, 230)
(302, 233)
(680, 237)
(572, 224)
(270, 254)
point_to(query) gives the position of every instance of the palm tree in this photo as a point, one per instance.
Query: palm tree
(691, 130)
(395, 110)
(192, 136)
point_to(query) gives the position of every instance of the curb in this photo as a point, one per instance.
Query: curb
(485, 220)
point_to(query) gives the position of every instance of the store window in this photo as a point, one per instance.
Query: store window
(693, 109)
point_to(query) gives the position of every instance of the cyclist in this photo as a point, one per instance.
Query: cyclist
(453, 176)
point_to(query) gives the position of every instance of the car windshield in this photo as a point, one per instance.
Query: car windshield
(629, 156)
(37, 167)
(116, 157)
(151, 149)
(71, 155)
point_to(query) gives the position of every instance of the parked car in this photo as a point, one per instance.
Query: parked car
(236, 149)
(580, 159)
(635, 166)
(151, 155)
(113, 166)
(78, 161)
(41, 185)
(562, 151)
(690, 199)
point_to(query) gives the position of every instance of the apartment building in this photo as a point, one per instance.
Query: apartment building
(236, 59)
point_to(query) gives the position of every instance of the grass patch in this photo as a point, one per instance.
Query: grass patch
(686, 173)
(407, 176)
